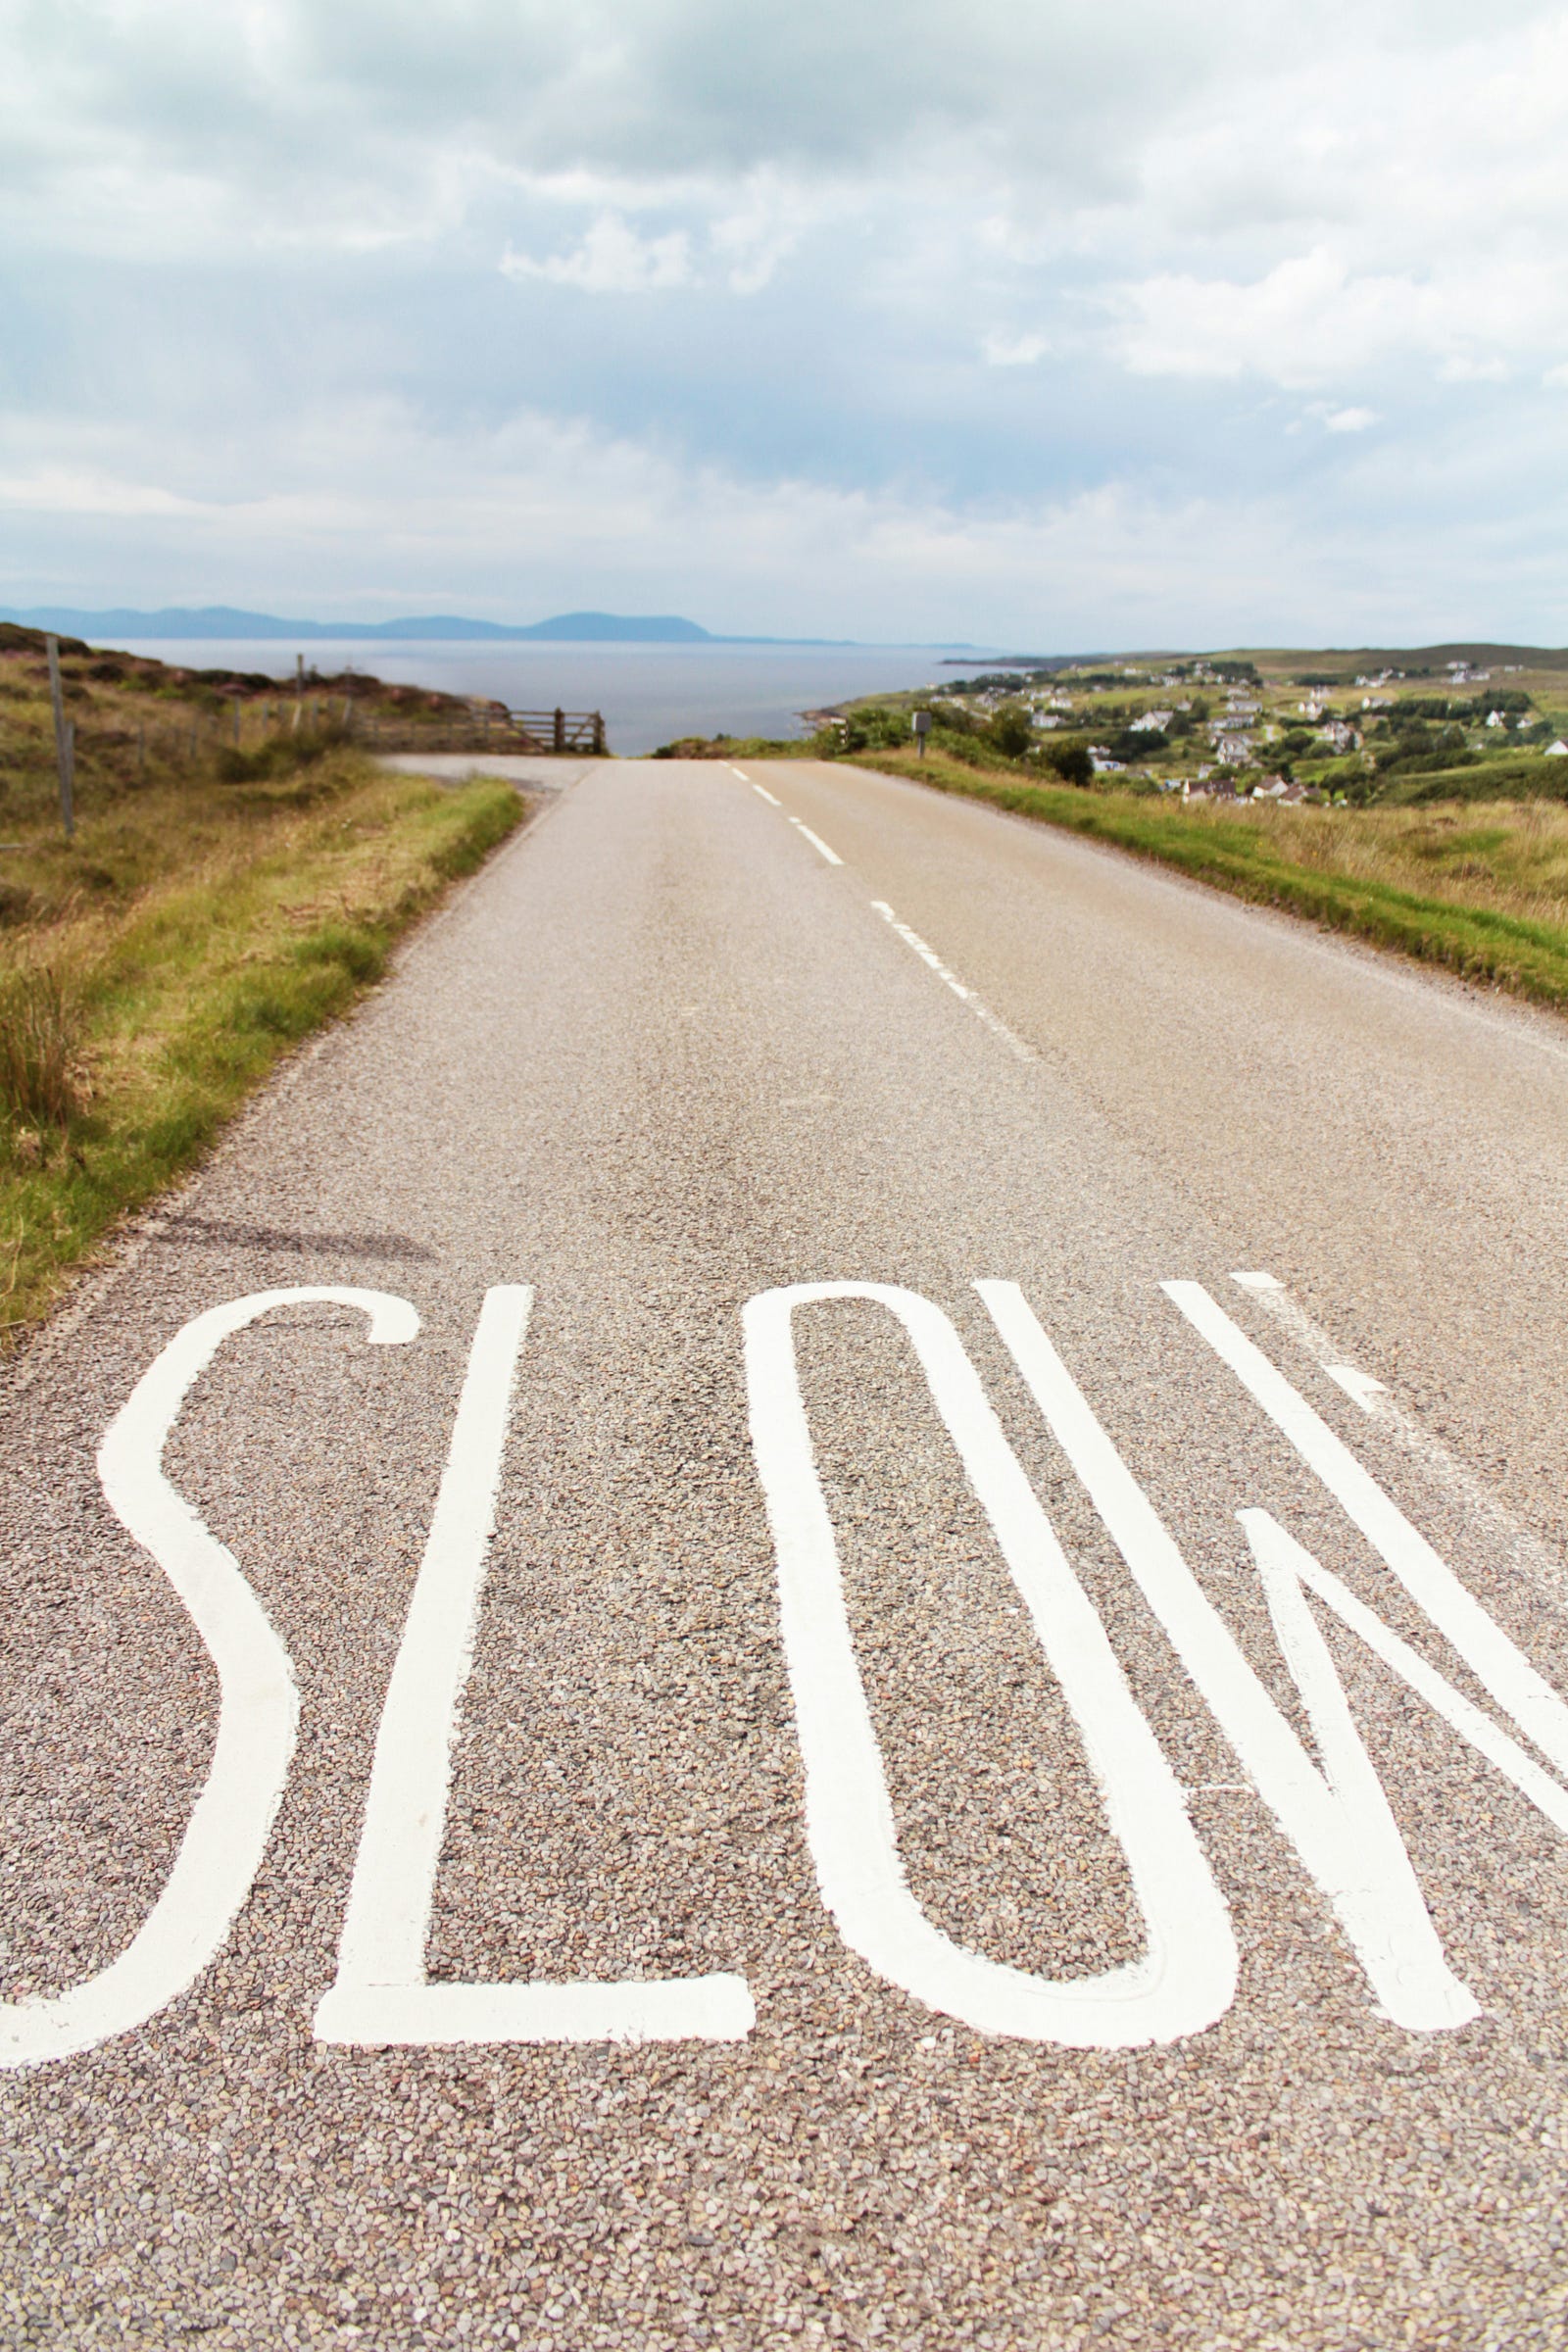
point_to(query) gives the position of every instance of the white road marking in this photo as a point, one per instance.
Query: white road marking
(1360, 1386)
(1187, 1978)
(815, 839)
(1282, 1561)
(928, 956)
(1502, 1669)
(1337, 1819)
(258, 1702)
(977, 1006)
(1437, 1463)
(381, 1994)
(816, 842)
(1335, 1812)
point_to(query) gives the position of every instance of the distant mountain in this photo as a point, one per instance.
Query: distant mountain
(616, 628)
(226, 620)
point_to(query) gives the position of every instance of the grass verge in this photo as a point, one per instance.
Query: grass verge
(155, 971)
(1481, 890)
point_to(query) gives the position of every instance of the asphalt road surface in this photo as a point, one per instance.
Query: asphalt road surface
(817, 1600)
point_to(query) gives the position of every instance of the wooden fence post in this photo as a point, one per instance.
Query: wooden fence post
(560, 730)
(64, 746)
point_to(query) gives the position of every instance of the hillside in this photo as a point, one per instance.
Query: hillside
(239, 871)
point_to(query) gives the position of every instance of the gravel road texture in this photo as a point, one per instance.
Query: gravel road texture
(661, 1057)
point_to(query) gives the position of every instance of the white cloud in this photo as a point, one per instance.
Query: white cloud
(1465, 367)
(1312, 319)
(1014, 351)
(539, 516)
(613, 258)
(87, 490)
(269, 213)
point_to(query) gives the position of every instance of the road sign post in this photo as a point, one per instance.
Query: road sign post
(920, 721)
(65, 741)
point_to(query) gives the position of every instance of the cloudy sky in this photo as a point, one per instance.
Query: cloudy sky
(1060, 324)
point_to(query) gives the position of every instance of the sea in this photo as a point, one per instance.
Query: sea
(648, 694)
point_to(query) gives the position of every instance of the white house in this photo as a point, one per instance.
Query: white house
(1557, 749)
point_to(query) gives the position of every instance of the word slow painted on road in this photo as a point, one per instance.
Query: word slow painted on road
(1331, 1810)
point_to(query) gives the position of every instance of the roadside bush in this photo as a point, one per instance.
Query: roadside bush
(875, 728)
(280, 755)
(41, 1042)
(1132, 743)
(1071, 763)
(1011, 732)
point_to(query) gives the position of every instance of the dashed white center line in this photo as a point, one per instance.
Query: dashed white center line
(977, 1006)
(816, 842)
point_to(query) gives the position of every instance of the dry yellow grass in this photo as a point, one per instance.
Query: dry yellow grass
(1508, 856)
(216, 904)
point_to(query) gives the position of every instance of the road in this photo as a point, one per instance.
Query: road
(884, 1669)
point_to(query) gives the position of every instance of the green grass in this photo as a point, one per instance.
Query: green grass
(1493, 777)
(1489, 901)
(155, 971)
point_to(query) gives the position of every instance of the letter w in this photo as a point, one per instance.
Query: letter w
(1335, 1814)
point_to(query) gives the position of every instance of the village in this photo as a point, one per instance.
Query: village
(1281, 727)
